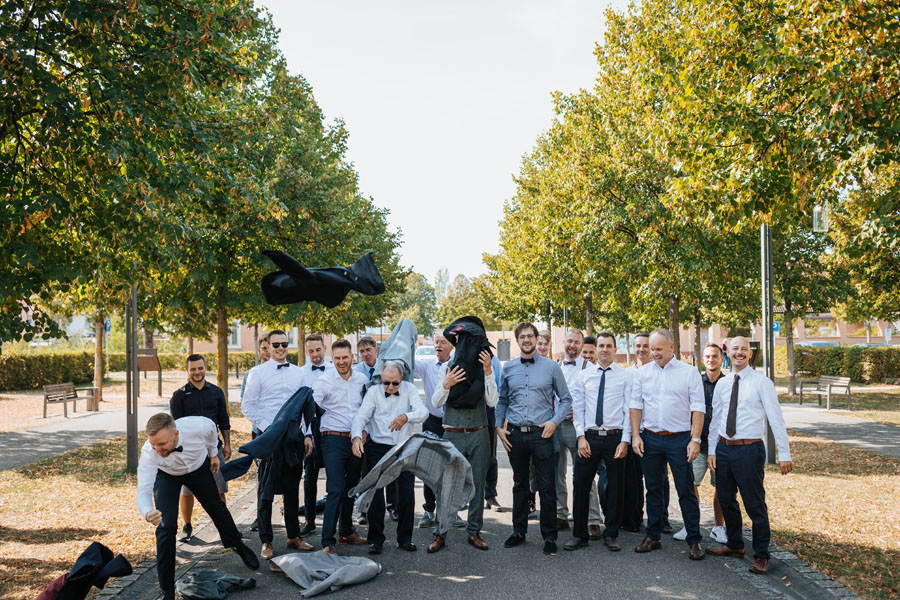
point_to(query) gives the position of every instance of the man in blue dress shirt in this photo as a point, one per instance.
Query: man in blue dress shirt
(526, 409)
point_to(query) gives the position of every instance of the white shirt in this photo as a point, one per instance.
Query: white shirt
(427, 370)
(616, 397)
(198, 439)
(377, 411)
(340, 398)
(757, 401)
(268, 388)
(491, 394)
(310, 375)
(570, 371)
(667, 395)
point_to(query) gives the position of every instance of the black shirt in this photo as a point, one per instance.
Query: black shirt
(208, 401)
(708, 389)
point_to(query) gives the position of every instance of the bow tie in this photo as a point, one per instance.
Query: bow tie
(179, 449)
(283, 365)
(526, 361)
(388, 394)
(569, 362)
(319, 368)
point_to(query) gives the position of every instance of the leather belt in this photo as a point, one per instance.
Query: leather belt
(603, 432)
(463, 429)
(526, 428)
(666, 432)
(738, 442)
(340, 433)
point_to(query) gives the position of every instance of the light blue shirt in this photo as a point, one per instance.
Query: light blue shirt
(365, 369)
(526, 393)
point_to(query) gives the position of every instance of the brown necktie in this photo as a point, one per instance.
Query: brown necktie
(731, 423)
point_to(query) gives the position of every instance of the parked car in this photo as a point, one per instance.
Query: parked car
(818, 344)
(870, 345)
(425, 351)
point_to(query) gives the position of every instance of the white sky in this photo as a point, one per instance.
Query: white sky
(441, 100)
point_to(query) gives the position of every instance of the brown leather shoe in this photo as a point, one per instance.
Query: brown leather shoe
(647, 545)
(435, 544)
(476, 540)
(562, 524)
(353, 538)
(724, 550)
(267, 551)
(329, 549)
(695, 552)
(760, 565)
(595, 532)
(299, 544)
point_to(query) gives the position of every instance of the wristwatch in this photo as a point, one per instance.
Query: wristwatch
(696, 440)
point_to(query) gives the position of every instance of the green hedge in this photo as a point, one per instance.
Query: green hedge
(174, 361)
(861, 365)
(31, 371)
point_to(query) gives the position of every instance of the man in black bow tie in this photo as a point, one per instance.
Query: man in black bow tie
(182, 453)
(315, 367)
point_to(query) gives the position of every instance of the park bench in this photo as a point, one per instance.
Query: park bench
(824, 386)
(66, 392)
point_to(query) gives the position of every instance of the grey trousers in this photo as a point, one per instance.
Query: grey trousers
(476, 447)
(568, 445)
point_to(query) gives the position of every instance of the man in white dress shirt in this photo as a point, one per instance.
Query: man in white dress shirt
(742, 401)
(269, 386)
(339, 394)
(600, 411)
(315, 367)
(177, 453)
(667, 403)
(387, 411)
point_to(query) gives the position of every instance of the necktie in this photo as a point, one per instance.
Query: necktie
(284, 365)
(315, 368)
(371, 372)
(526, 361)
(388, 394)
(731, 422)
(599, 415)
(179, 449)
(569, 362)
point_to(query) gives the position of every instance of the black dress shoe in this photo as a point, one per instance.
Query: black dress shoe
(612, 543)
(255, 525)
(168, 595)
(320, 505)
(375, 549)
(550, 548)
(632, 529)
(696, 552)
(408, 546)
(575, 544)
(307, 529)
(395, 516)
(187, 532)
(667, 527)
(247, 556)
(516, 539)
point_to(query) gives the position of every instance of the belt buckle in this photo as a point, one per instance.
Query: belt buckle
(602, 432)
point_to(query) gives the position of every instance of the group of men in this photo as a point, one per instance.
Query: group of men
(630, 426)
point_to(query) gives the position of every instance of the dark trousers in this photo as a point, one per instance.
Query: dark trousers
(527, 449)
(603, 449)
(436, 426)
(633, 508)
(166, 495)
(658, 451)
(602, 479)
(405, 500)
(493, 472)
(742, 468)
(290, 481)
(342, 470)
(311, 466)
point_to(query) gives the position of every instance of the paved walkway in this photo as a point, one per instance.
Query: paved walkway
(840, 426)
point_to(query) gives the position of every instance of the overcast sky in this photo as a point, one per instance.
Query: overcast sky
(442, 100)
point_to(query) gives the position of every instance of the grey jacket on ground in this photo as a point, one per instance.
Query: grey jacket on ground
(210, 585)
(319, 572)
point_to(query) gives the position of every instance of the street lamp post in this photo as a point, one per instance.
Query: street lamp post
(768, 341)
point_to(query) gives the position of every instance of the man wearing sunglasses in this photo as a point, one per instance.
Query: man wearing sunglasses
(386, 413)
(269, 386)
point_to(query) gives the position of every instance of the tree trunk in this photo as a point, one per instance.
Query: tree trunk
(301, 347)
(589, 314)
(868, 331)
(222, 335)
(627, 347)
(99, 332)
(256, 342)
(789, 348)
(675, 324)
(698, 350)
(190, 345)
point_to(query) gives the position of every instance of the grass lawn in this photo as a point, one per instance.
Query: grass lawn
(50, 511)
(838, 511)
(879, 403)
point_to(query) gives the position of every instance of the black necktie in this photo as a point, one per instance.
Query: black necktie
(371, 372)
(599, 414)
(526, 361)
(315, 368)
(388, 394)
(178, 449)
(569, 362)
(731, 422)
(287, 364)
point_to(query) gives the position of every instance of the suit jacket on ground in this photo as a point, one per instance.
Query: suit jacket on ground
(469, 340)
(295, 283)
(93, 568)
(319, 572)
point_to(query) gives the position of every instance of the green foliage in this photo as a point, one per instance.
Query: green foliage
(417, 304)
(861, 365)
(463, 298)
(31, 371)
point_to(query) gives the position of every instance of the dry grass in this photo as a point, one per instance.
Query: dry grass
(51, 510)
(838, 510)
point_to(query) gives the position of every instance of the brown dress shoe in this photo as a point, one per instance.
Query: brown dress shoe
(647, 545)
(299, 544)
(267, 551)
(695, 552)
(435, 544)
(329, 549)
(476, 540)
(724, 550)
(353, 538)
(595, 532)
(562, 524)
(760, 565)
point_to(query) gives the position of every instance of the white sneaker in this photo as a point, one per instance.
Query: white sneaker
(718, 534)
(681, 534)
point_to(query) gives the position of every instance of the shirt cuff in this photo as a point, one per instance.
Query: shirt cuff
(784, 457)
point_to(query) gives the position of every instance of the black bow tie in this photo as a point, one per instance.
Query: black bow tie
(569, 362)
(179, 449)
(283, 365)
(319, 368)
(525, 361)
(388, 394)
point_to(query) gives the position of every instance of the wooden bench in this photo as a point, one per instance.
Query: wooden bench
(64, 393)
(824, 386)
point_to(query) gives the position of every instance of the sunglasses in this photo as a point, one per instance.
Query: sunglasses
(278, 344)
(390, 383)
